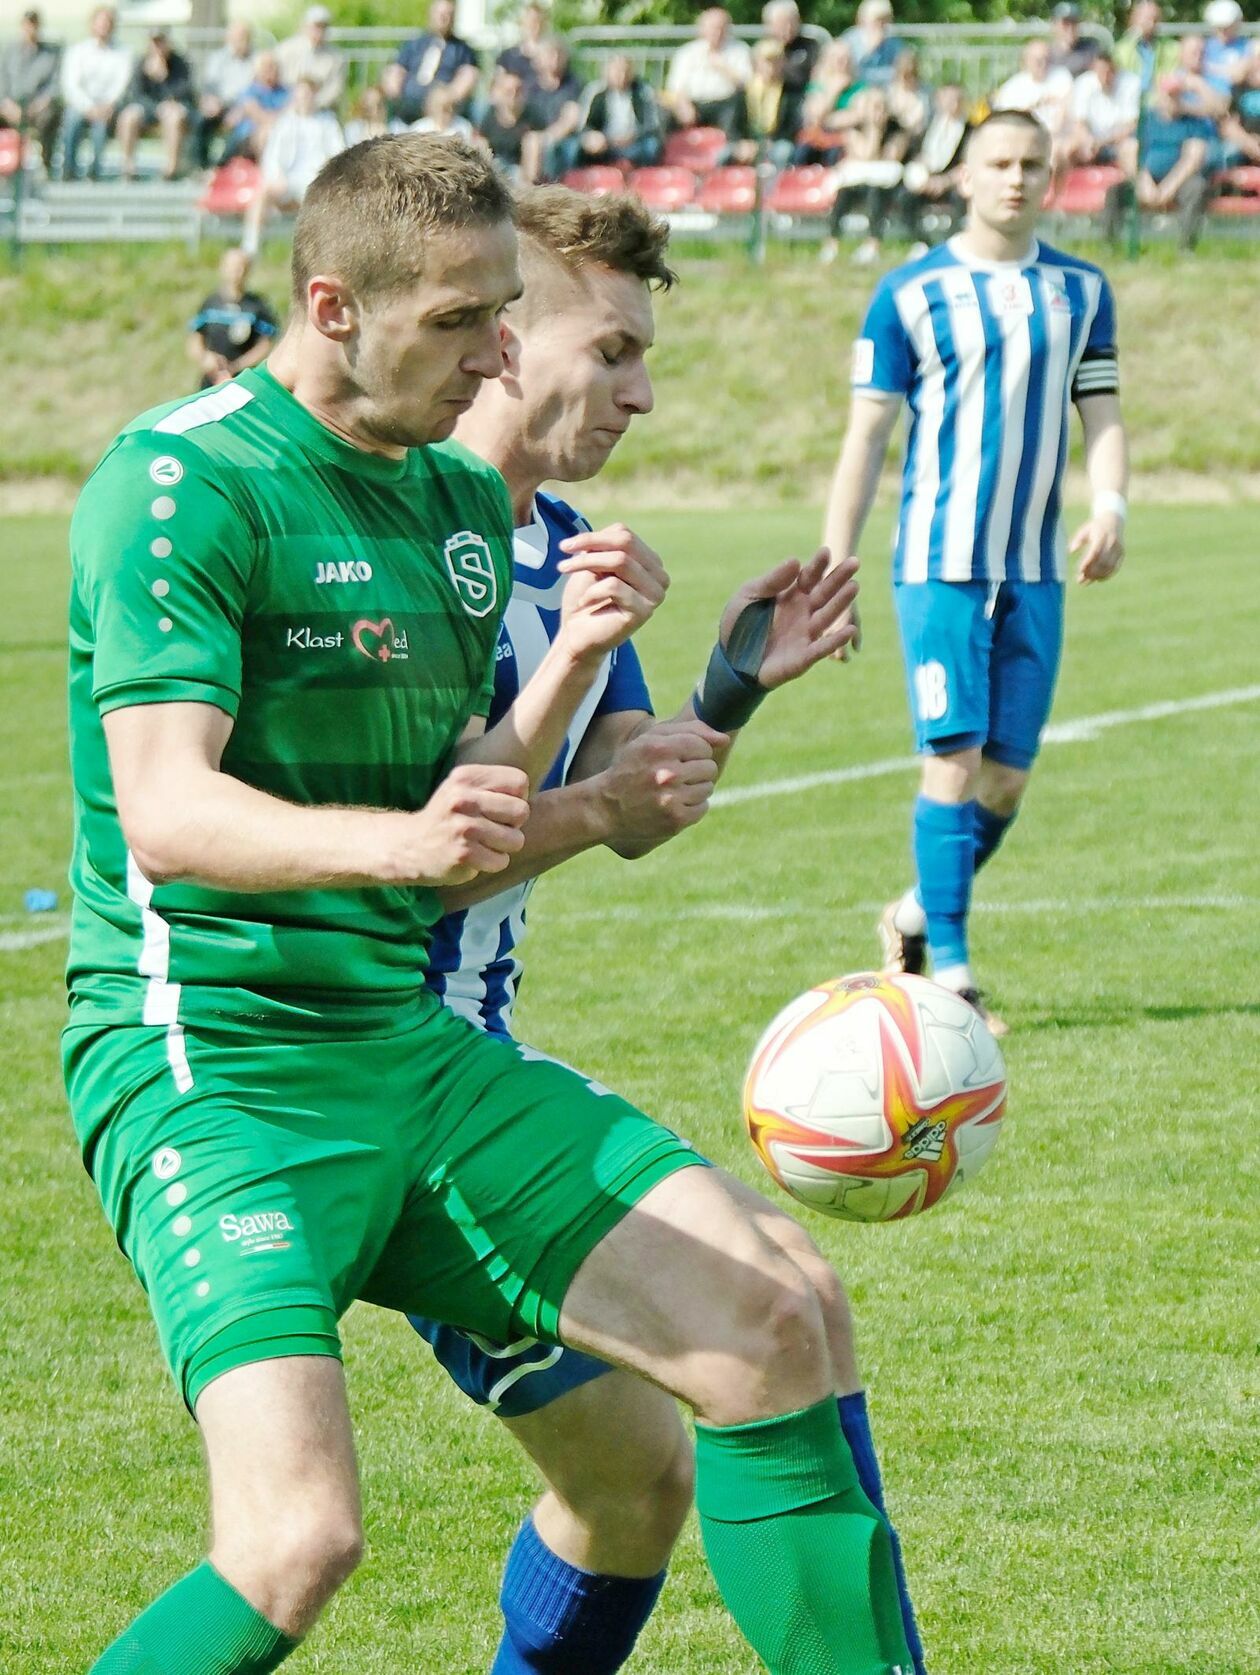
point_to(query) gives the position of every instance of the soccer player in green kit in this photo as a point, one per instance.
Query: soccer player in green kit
(286, 600)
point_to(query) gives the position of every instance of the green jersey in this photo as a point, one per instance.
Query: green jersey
(343, 609)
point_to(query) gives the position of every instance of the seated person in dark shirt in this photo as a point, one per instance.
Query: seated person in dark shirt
(622, 121)
(519, 59)
(1178, 139)
(1069, 49)
(161, 96)
(554, 111)
(439, 55)
(1241, 128)
(234, 328)
(504, 124)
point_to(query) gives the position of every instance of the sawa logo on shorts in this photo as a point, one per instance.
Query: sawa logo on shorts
(166, 470)
(472, 570)
(264, 1230)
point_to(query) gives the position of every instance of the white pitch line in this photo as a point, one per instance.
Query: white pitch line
(1059, 732)
(757, 912)
(11, 941)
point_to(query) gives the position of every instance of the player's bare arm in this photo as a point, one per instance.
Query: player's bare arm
(616, 582)
(872, 419)
(185, 820)
(1100, 539)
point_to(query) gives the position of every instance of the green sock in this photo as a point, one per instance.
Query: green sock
(800, 1555)
(201, 1626)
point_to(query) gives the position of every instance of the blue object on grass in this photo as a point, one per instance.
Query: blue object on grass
(40, 901)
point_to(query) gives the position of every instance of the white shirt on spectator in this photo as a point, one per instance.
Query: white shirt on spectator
(458, 128)
(228, 74)
(298, 147)
(940, 143)
(92, 74)
(694, 74)
(1048, 99)
(1106, 114)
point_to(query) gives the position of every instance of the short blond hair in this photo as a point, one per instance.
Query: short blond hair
(578, 231)
(369, 213)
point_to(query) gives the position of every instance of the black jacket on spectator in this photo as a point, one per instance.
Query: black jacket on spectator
(646, 114)
(146, 91)
(799, 58)
(544, 105)
(504, 140)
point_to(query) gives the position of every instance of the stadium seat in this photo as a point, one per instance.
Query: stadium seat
(10, 151)
(231, 188)
(731, 191)
(1238, 191)
(810, 190)
(697, 149)
(663, 189)
(599, 180)
(1084, 191)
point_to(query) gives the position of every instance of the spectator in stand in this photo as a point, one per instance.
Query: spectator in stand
(249, 120)
(504, 124)
(1226, 50)
(160, 96)
(1240, 130)
(873, 44)
(554, 113)
(1069, 49)
(781, 20)
(441, 115)
(909, 100)
(1105, 107)
(302, 139)
(519, 58)
(1042, 91)
(1178, 136)
(769, 120)
(30, 75)
(307, 56)
(94, 78)
(439, 55)
(622, 123)
(234, 327)
(228, 72)
(869, 176)
(708, 76)
(1143, 49)
(929, 182)
(831, 106)
(369, 118)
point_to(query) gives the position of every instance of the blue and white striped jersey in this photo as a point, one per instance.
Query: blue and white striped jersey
(989, 354)
(472, 962)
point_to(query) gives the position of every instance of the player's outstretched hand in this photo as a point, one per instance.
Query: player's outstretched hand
(1100, 542)
(660, 782)
(471, 824)
(814, 614)
(615, 583)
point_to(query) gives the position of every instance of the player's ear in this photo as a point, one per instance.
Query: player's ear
(331, 308)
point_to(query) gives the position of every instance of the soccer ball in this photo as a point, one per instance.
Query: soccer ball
(871, 1097)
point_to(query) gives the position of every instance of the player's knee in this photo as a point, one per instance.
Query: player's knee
(952, 777)
(314, 1550)
(782, 1339)
(1001, 787)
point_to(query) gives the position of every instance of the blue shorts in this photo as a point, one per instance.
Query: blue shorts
(981, 661)
(510, 1379)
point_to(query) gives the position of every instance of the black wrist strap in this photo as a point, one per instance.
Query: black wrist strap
(729, 691)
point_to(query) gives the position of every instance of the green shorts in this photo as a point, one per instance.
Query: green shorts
(436, 1170)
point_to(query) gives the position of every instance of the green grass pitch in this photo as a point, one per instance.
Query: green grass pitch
(1063, 1360)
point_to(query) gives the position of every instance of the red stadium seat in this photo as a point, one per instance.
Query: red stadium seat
(599, 180)
(805, 191)
(730, 191)
(231, 188)
(1084, 191)
(1238, 191)
(10, 151)
(697, 149)
(664, 189)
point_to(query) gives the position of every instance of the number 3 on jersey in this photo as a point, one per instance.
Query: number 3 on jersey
(931, 691)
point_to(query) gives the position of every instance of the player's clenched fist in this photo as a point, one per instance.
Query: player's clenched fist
(615, 583)
(660, 783)
(471, 824)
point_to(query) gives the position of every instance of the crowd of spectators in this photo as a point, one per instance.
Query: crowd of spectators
(1166, 112)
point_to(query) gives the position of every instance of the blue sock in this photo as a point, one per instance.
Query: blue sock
(990, 830)
(856, 1425)
(944, 854)
(566, 1621)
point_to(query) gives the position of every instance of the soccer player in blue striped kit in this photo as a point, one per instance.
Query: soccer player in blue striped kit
(988, 338)
(587, 1566)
